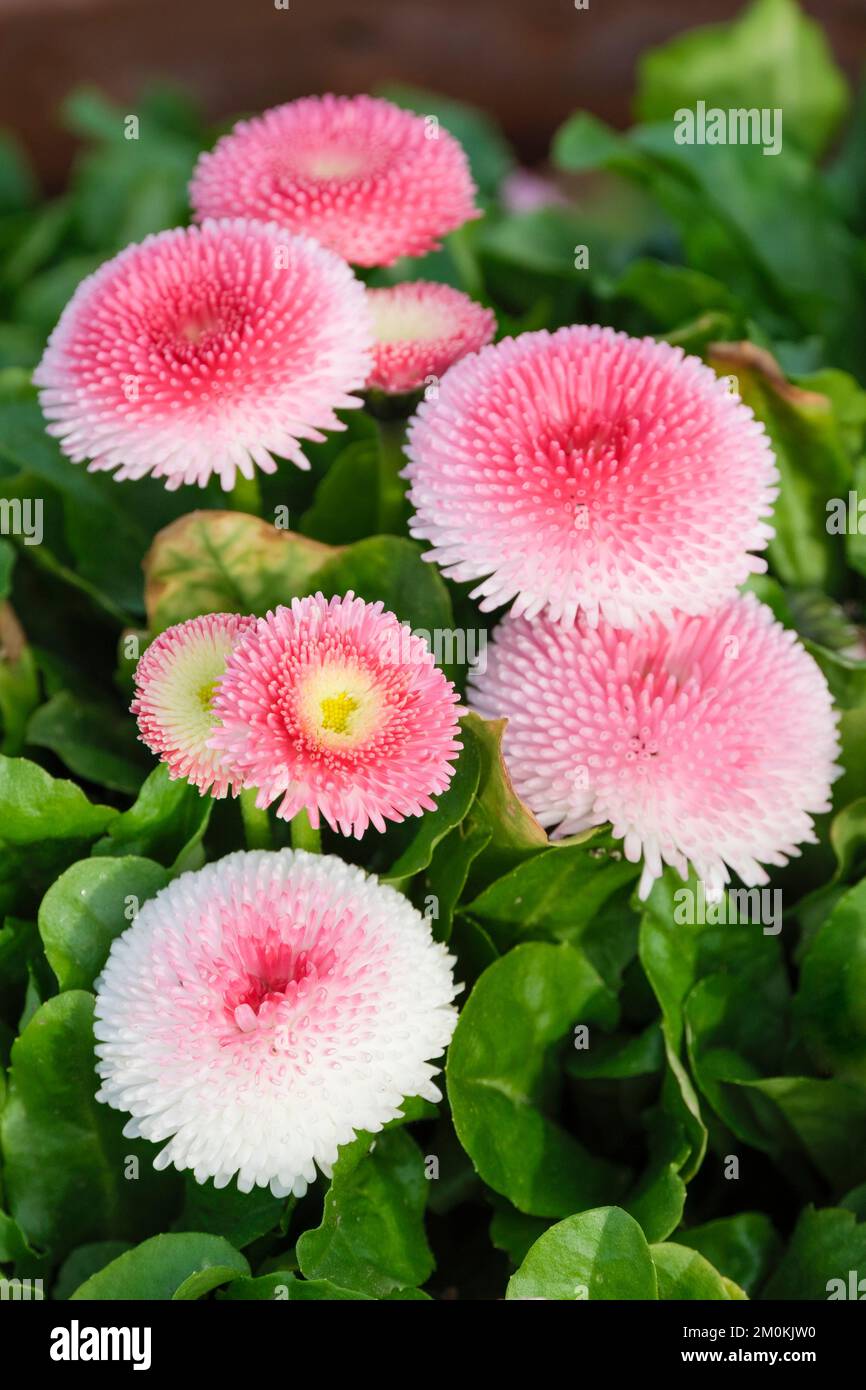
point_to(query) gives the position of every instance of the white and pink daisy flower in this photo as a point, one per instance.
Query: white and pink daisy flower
(206, 351)
(261, 1011)
(336, 708)
(587, 470)
(711, 741)
(362, 176)
(175, 684)
(420, 329)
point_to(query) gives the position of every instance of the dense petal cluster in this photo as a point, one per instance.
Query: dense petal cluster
(261, 1011)
(175, 683)
(206, 351)
(420, 329)
(362, 176)
(711, 741)
(587, 470)
(337, 708)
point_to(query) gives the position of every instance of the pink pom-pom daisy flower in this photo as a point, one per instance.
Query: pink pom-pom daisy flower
(206, 351)
(338, 709)
(175, 684)
(261, 1011)
(711, 741)
(587, 470)
(420, 329)
(359, 174)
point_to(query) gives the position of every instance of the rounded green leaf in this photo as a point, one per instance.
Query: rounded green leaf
(684, 1273)
(88, 906)
(499, 1070)
(600, 1254)
(173, 1266)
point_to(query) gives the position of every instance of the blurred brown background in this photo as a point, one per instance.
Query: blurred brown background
(527, 62)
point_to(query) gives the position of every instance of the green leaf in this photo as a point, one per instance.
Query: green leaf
(14, 1246)
(831, 1001)
(241, 1217)
(770, 56)
(65, 1156)
(676, 953)
(823, 1118)
(166, 822)
(95, 742)
(825, 1247)
(685, 1274)
(371, 1238)
(447, 873)
(584, 142)
(501, 1065)
(743, 1248)
(284, 1286)
(354, 473)
(658, 1200)
(671, 295)
(512, 1230)
(87, 907)
(813, 465)
(166, 1267)
(556, 893)
(599, 1254)
(515, 834)
(734, 1035)
(617, 1058)
(35, 807)
(83, 1262)
(390, 568)
(87, 504)
(451, 808)
(225, 562)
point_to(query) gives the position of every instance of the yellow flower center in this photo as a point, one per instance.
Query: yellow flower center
(206, 694)
(337, 711)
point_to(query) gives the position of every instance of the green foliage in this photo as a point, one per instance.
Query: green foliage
(178, 1267)
(607, 1051)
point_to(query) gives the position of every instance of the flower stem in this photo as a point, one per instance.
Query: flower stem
(246, 495)
(257, 828)
(393, 510)
(303, 834)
